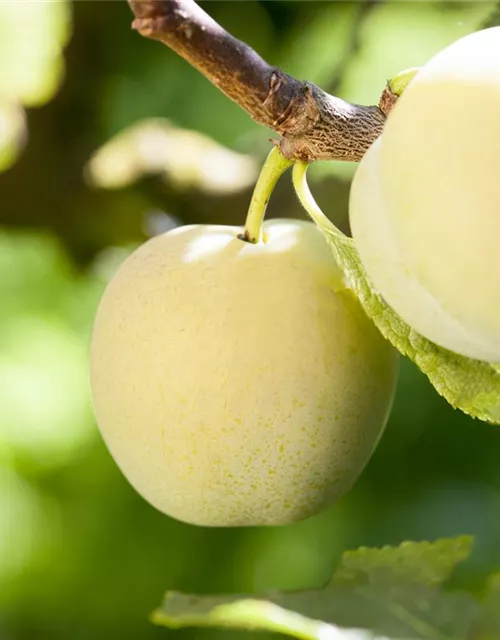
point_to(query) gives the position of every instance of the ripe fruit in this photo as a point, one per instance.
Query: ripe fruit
(425, 201)
(234, 383)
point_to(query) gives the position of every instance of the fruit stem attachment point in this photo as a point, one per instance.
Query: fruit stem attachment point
(306, 198)
(400, 81)
(274, 167)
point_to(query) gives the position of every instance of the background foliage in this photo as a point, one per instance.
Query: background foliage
(81, 555)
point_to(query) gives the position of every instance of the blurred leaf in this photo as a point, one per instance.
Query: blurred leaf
(188, 159)
(36, 277)
(393, 592)
(493, 19)
(489, 623)
(314, 49)
(251, 23)
(45, 414)
(411, 563)
(12, 133)
(43, 390)
(469, 385)
(400, 35)
(135, 95)
(32, 35)
(25, 530)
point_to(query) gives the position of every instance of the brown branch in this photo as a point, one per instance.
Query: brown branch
(314, 125)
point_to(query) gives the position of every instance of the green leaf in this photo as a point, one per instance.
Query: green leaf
(412, 32)
(32, 37)
(496, 367)
(493, 18)
(469, 385)
(488, 627)
(243, 612)
(319, 51)
(428, 563)
(374, 593)
(12, 133)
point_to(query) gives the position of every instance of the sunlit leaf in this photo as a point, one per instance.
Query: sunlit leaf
(32, 36)
(12, 133)
(187, 159)
(181, 610)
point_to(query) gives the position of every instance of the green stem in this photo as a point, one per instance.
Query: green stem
(401, 80)
(274, 167)
(307, 200)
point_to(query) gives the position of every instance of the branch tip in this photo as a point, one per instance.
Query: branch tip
(314, 125)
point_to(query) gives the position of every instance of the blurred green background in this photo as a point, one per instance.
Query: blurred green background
(106, 138)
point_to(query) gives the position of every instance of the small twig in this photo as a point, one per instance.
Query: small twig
(313, 125)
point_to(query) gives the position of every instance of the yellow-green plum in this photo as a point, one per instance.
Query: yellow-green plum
(388, 269)
(238, 384)
(425, 201)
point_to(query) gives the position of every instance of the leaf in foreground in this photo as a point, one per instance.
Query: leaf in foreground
(374, 594)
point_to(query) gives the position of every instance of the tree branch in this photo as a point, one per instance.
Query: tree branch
(313, 124)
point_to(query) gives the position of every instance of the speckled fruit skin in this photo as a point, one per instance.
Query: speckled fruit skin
(425, 201)
(238, 384)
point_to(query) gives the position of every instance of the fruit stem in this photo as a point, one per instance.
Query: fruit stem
(299, 178)
(274, 167)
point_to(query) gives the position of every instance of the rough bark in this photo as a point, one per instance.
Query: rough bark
(313, 124)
